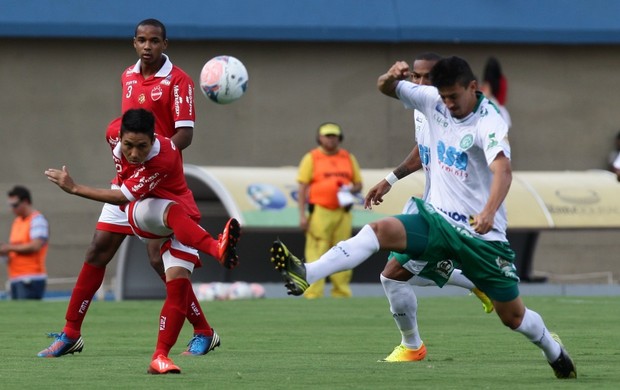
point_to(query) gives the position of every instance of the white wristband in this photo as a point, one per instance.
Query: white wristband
(391, 178)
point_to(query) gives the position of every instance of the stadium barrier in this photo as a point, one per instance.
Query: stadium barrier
(264, 200)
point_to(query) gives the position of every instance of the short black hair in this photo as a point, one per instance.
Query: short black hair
(154, 23)
(450, 71)
(138, 120)
(427, 56)
(22, 193)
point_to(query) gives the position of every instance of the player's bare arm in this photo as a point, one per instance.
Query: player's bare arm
(387, 82)
(62, 179)
(302, 195)
(502, 178)
(183, 137)
(411, 164)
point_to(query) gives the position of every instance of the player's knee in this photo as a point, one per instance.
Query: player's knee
(393, 270)
(99, 253)
(510, 318)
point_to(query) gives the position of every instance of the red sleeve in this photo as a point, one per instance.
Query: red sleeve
(183, 97)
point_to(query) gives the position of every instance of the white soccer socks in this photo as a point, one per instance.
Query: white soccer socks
(533, 327)
(344, 256)
(404, 307)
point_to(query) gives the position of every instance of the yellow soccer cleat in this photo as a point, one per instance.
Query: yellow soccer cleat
(487, 305)
(291, 268)
(404, 354)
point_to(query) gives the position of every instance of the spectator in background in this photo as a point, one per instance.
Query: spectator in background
(328, 175)
(495, 87)
(613, 156)
(27, 247)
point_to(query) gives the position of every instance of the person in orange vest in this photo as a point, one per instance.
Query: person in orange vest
(27, 247)
(328, 176)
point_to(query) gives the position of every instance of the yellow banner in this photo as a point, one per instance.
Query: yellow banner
(267, 197)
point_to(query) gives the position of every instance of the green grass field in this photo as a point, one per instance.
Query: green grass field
(319, 344)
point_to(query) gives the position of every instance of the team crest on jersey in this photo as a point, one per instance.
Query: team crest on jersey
(156, 93)
(445, 268)
(141, 98)
(467, 141)
(507, 268)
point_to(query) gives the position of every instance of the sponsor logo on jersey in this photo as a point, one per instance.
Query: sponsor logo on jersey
(141, 98)
(492, 141)
(452, 160)
(425, 154)
(440, 119)
(166, 81)
(113, 141)
(189, 98)
(454, 215)
(137, 187)
(177, 100)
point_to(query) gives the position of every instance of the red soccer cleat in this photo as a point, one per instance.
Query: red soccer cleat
(163, 365)
(226, 244)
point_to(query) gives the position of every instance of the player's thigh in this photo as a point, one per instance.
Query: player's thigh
(146, 217)
(103, 247)
(402, 233)
(395, 271)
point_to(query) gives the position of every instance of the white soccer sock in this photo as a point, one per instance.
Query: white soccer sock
(404, 307)
(533, 327)
(458, 279)
(344, 256)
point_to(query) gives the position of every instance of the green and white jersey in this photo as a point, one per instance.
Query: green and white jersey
(421, 129)
(458, 153)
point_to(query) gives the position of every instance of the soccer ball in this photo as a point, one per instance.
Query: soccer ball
(223, 79)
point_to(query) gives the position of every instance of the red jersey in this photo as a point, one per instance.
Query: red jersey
(169, 95)
(160, 176)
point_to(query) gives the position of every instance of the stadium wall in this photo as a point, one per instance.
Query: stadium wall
(59, 94)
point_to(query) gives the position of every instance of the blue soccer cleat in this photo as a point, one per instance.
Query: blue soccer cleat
(62, 345)
(201, 344)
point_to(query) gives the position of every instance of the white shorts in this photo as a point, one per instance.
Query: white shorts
(113, 219)
(146, 218)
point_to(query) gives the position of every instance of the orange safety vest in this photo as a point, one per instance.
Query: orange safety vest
(329, 173)
(22, 265)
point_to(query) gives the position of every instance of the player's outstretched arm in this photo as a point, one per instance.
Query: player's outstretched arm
(409, 165)
(374, 196)
(62, 179)
(387, 81)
